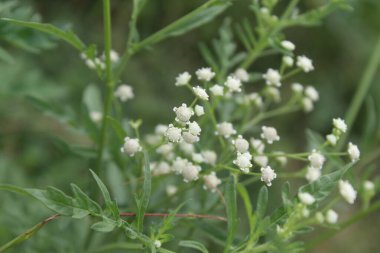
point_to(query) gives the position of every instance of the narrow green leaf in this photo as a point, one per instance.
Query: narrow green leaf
(143, 201)
(231, 211)
(194, 245)
(83, 201)
(262, 202)
(103, 226)
(247, 203)
(67, 36)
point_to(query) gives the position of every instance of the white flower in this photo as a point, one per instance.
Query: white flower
(182, 79)
(90, 64)
(200, 93)
(157, 244)
(241, 144)
(98, 62)
(197, 157)
(194, 128)
(243, 161)
(256, 99)
(368, 185)
(131, 146)
(311, 93)
(331, 139)
(305, 63)
(340, 125)
(165, 149)
(347, 191)
(288, 61)
(226, 129)
(261, 160)
(205, 74)
(124, 92)
(189, 138)
(274, 93)
(209, 157)
(186, 148)
(199, 110)
(153, 139)
(217, 90)
(160, 168)
(312, 174)
(316, 160)
(281, 158)
(272, 77)
(183, 113)
(173, 133)
(114, 56)
(179, 164)
(305, 212)
(307, 104)
(306, 198)
(331, 216)
(267, 175)
(96, 116)
(211, 182)
(191, 172)
(288, 45)
(242, 75)
(269, 134)
(233, 84)
(353, 152)
(160, 129)
(258, 145)
(319, 217)
(297, 88)
(171, 190)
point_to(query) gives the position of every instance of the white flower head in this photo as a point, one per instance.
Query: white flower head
(200, 93)
(331, 139)
(217, 90)
(243, 161)
(274, 93)
(297, 88)
(225, 129)
(233, 84)
(199, 110)
(171, 190)
(173, 133)
(288, 61)
(157, 244)
(197, 157)
(242, 75)
(183, 113)
(312, 174)
(340, 125)
(305, 63)
(179, 164)
(190, 138)
(211, 182)
(353, 152)
(331, 217)
(205, 74)
(311, 93)
(269, 134)
(319, 217)
(131, 146)
(191, 172)
(261, 160)
(160, 168)
(256, 99)
(267, 175)
(316, 159)
(288, 45)
(96, 116)
(368, 185)
(347, 191)
(307, 104)
(114, 56)
(186, 148)
(194, 128)
(165, 149)
(258, 145)
(281, 158)
(182, 79)
(161, 129)
(124, 92)
(306, 198)
(209, 157)
(272, 77)
(241, 144)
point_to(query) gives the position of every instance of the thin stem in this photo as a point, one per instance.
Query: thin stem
(179, 215)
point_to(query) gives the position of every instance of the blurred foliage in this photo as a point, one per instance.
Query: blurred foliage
(30, 150)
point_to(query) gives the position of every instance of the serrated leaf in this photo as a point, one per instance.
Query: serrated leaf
(83, 201)
(67, 36)
(194, 245)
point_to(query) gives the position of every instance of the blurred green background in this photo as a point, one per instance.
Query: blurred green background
(29, 156)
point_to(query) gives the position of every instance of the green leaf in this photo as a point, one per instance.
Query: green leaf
(116, 182)
(262, 202)
(5, 56)
(117, 127)
(67, 36)
(231, 211)
(285, 195)
(83, 201)
(103, 226)
(143, 201)
(194, 245)
(247, 203)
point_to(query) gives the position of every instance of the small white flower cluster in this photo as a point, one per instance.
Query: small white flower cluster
(131, 146)
(124, 92)
(347, 191)
(316, 160)
(98, 63)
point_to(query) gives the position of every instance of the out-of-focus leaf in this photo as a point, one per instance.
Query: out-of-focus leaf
(117, 127)
(104, 226)
(84, 201)
(231, 211)
(143, 201)
(67, 36)
(262, 202)
(117, 184)
(5, 56)
(194, 245)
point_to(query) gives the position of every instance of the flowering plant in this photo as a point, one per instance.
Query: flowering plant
(220, 142)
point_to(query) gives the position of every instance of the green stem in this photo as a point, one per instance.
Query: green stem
(109, 82)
